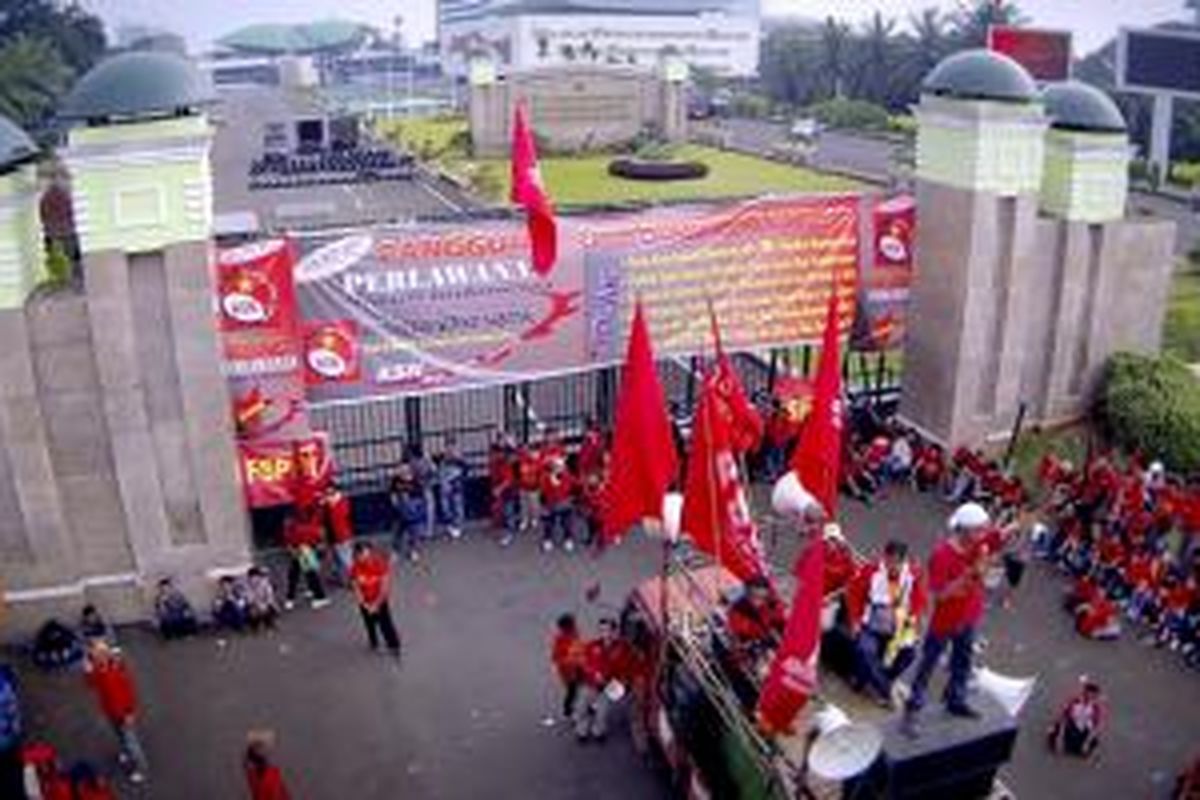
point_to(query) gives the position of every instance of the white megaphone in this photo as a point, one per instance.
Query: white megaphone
(790, 499)
(842, 749)
(672, 515)
(1010, 693)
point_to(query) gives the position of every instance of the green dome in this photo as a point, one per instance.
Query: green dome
(980, 75)
(15, 146)
(329, 35)
(137, 84)
(1077, 106)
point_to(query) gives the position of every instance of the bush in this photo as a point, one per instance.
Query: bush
(750, 105)
(1152, 405)
(1186, 173)
(858, 115)
(902, 123)
(58, 265)
(633, 169)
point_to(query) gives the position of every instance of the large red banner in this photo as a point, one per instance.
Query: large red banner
(411, 310)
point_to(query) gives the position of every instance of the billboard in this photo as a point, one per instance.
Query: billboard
(1159, 61)
(884, 297)
(411, 310)
(1046, 54)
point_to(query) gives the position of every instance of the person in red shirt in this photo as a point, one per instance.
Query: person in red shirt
(756, 621)
(1097, 618)
(109, 678)
(1139, 582)
(264, 779)
(591, 501)
(566, 654)
(1077, 729)
(930, 467)
(89, 785)
(42, 759)
(502, 479)
(302, 535)
(1178, 596)
(529, 483)
(591, 450)
(605, 662)
(884, 604)
(956, 569)
(840, 563)
(341, 530)
(370, 575)
(556, 490)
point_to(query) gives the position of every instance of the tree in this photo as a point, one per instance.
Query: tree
(32, 78)
(875, 61)
(834, 66)
(972, 20)
(75, 34)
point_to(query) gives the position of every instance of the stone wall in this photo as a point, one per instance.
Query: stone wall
(579, 108)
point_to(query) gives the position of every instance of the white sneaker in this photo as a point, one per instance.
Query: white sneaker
(288, 605)
(547, 545)
(414, 556)
(569, 545)
(137, 778)
(455, 533)
(322, 603)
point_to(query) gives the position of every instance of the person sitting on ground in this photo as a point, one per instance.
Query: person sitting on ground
(756, 621)
(1178, 596)
(566, 654)
(857, 478)
(930, 467)
(230, 606)
(262, 609)
(93, 626)
(1076, 732)
(55, 646)
(899, 463)
(1098, 618)
(173, 612)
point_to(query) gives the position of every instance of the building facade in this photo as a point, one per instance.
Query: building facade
(717, 35)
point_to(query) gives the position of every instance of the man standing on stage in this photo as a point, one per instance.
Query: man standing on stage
(956, 570)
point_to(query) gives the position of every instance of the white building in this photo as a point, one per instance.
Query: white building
(719, 35)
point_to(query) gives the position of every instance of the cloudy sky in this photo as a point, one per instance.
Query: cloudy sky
(1092, 21)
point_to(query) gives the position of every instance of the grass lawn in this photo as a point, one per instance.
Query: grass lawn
(585, 179)
(581, 180)
(1181, 334)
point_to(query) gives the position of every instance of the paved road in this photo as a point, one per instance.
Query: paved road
(872, 157)
(463, 717)
(242, 116)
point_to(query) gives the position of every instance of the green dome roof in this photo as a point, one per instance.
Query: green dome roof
(980, 75)
(1077, 106)
(312, 37)
(15, 146)
(137, 84)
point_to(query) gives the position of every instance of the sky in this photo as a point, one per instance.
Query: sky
(201, 21)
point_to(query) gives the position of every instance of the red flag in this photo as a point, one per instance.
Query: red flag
(792, 678)
(745, 422)
(817, 459)
(715, 513)
(528, 192)
(643, 453)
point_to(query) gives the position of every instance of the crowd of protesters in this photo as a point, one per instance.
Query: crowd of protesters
(1128, 538)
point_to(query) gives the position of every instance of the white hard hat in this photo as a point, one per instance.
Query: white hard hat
(834, 531)
(790, 499)
(1157, 467)
(969, 515)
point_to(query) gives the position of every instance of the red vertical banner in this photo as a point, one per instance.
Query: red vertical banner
(886, 290)
(258, 318)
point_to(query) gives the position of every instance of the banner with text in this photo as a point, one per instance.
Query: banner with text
(886, 287)
(405, 310)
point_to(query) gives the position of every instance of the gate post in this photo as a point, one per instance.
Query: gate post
(526, 413)
(412, 421)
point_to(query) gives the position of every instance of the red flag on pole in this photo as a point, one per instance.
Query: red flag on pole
(818, 456)
(715, 513)
(529, 192)
(746, 425)
(643, 454)
(792, 677)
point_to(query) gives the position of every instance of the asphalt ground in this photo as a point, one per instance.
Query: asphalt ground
(464, 715)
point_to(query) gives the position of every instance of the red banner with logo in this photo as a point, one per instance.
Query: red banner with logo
(414, 309)
(261, 337)
(885, 296)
